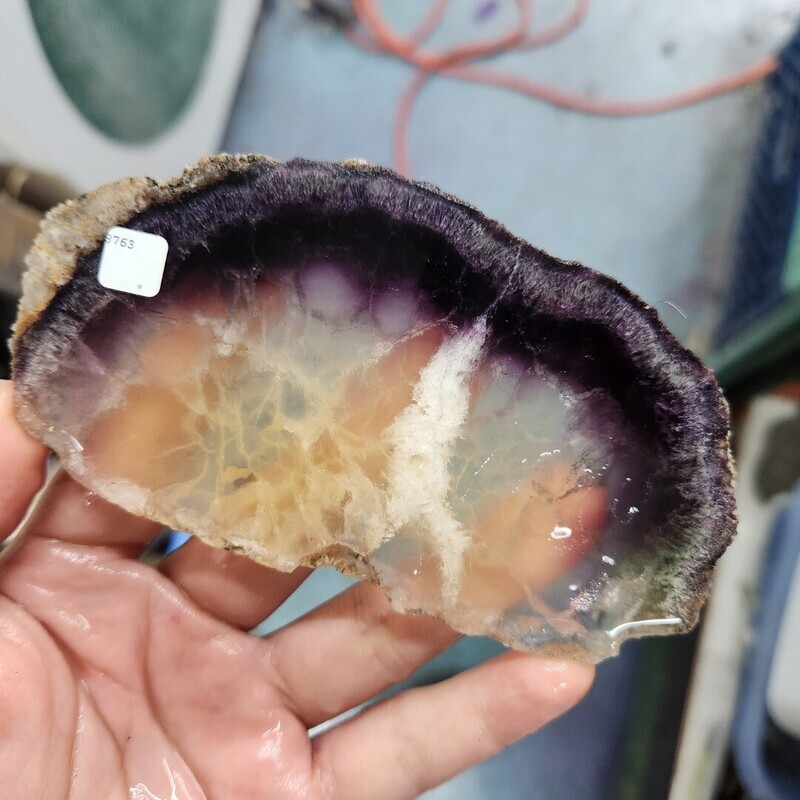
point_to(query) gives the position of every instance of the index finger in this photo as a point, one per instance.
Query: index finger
(418, 739)
(22, 466)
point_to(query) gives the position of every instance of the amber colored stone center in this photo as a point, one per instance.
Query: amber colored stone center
(307, 422)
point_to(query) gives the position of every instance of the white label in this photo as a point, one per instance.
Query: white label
(133, 262)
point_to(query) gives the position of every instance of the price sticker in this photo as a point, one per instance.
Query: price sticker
(133, 262)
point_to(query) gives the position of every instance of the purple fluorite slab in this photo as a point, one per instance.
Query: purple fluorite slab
(344, 367)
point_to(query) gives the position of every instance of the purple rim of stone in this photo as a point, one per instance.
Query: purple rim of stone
(580, 326)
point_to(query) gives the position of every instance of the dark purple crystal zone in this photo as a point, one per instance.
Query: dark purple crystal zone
(571, 323)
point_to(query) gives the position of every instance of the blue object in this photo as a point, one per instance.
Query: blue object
(176, 539)
(751, 727)
(756, 287)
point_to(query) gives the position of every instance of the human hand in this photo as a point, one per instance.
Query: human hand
(119, 680)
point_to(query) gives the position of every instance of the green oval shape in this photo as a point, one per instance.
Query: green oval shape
(129, 66)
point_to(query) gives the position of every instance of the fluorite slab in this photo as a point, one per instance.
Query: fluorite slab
(343, 367)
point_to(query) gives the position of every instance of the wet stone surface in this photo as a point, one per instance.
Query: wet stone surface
(334, 378)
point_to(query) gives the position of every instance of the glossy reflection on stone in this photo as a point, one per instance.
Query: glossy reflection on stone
(343, 367)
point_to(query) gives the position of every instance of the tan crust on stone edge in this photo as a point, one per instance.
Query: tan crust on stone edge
(76, 228)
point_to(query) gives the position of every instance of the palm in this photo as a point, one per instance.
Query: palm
(120, 680)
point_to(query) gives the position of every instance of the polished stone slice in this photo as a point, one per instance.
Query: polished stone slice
(343, 367)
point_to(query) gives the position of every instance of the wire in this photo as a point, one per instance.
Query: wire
(391, 42)
(378, 36)
(617, 108)
(400, 154)
(420, 35)
(431, 22)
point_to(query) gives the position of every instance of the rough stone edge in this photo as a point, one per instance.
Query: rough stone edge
(76, 227)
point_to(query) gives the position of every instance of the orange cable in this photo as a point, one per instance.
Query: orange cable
(615, 108)
(431, 22)
(402, 121)
(421, 34)
(391, 42)
(400, 155)
(453, 63)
